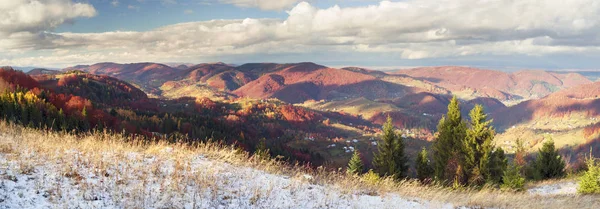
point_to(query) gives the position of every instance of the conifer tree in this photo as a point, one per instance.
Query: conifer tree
(355, 165)
(512, 178)
(449, 145)
(390, 159)
(589, 183)
(424, 167)
(478, 149)
(496, 166)
(84, 123)
(548, 163)
(261, 151)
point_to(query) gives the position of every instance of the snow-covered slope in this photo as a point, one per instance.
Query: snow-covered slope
(560, 188)
(125, 179)
(41, 169)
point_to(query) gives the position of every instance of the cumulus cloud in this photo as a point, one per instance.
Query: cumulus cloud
(263, 4)
(39, 15)
(412, 29)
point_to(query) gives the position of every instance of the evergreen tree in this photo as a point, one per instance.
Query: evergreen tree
(355, 165)
(496, 166)
(548, 163)
(589, 183)
(261, 151)
(512, 178)
(113, 112)
(62, 121)
(479, 146)
(390, 159)
(424, 168)
(449, 144)
(84, 124)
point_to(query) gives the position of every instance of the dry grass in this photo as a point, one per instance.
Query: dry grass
(103, 153)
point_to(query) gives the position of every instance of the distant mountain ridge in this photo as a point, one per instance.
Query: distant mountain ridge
(310, 81)
(524, 84)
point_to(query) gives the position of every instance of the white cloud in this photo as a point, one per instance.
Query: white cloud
(263, 4)
(413, 29)
(114, 3)
(133, 7)
(188, 11)
(39, 15)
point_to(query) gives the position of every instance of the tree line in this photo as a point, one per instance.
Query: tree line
(463, 154)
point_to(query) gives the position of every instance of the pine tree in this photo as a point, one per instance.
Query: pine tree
(424, 168)
(478, 147)
(548, 163)
(496, 166)
(355, 165)
(261, 151)
(512, 178)
(449, 144)
(390, 159)
(84, 123)
(113, 112)
(589, 183)
(62, 121)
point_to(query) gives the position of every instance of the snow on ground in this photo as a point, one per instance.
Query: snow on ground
(135, 180)
(561, 188)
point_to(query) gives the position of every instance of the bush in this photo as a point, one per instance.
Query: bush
(371, 177)
(589, 183)
(512, 179)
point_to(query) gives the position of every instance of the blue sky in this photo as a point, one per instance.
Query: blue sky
(496, 34)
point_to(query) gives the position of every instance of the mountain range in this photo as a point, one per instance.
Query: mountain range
(354, 101)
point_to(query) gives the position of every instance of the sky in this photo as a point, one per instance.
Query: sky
(495, 34)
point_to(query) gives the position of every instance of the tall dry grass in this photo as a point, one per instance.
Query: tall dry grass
(102, 154)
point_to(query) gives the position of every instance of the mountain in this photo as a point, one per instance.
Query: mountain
(583, 99)
(149, 76)
(473, 82)
(42, 71)
(307, 81)
(97, 88)
(76, 101)
(570, 117)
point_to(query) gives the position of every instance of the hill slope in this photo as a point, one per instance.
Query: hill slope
(500, 85)
(570, 117)
(41, 169)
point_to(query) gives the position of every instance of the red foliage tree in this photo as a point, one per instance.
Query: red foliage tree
(18, 78)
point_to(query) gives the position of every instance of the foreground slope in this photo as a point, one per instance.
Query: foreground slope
(50, 170)
(85, 174)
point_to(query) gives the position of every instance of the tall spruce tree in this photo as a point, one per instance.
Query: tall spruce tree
(355, 166)
(423, 166)
(478, 148)
(449, 144)
(390, 159)
(548, 163)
